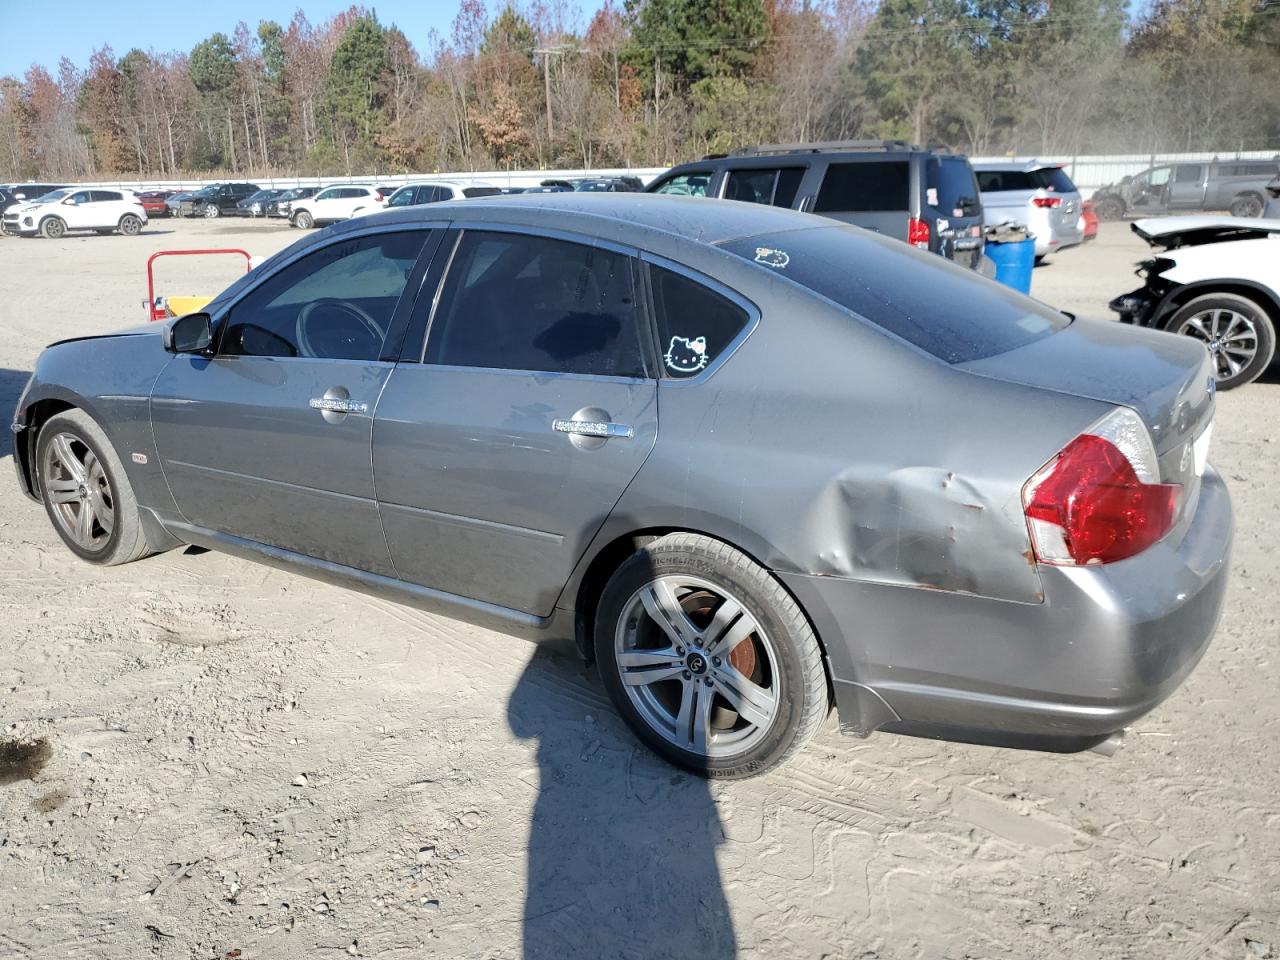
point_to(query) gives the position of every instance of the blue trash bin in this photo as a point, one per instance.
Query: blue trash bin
(1014, 260)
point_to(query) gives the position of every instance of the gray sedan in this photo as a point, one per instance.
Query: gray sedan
(750, 462)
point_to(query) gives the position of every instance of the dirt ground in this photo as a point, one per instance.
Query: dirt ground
(243, 763)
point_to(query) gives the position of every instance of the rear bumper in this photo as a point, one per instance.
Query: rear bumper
(1106, 646)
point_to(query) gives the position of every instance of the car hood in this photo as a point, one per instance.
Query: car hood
(1170, 232)
(142, 330)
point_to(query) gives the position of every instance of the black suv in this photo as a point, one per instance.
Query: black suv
(929, 198)
(219, 199)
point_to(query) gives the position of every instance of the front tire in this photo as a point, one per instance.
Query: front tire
(709, 660)
(130, 226)
(52, 228)
(1240, 335)
(86, 492)
(303, 220)
(211, 211)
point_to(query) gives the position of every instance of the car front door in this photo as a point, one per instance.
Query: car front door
(77, 210)
(268, 439)
(500, 452)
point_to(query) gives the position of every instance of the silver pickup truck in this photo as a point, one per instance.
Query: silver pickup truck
(1235, 185)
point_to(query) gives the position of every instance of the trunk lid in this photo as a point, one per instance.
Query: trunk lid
(1168, 380)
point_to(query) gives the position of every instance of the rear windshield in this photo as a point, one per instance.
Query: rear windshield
(481, 192)
(951, 187)
(1053, 179)
(867, 187)
(945, 310)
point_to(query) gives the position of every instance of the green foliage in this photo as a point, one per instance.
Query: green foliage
(509, 33)
(730, 112)
(696, 39)
(213, 65)
(354, 93)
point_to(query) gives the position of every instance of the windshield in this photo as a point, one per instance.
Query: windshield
(945, 310)
(52, 197)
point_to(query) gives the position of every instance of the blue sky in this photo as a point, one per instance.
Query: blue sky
(75, 28)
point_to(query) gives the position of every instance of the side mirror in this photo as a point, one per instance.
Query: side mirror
(189, 334)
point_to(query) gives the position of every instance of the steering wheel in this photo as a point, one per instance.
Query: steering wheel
(370, 325)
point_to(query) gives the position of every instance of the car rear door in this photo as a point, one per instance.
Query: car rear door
(500, 450)
(268, 440)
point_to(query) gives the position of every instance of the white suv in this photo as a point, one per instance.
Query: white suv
(335, 203)
(412, 194)
(71, 208)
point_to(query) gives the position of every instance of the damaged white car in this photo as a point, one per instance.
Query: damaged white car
(1216, 279)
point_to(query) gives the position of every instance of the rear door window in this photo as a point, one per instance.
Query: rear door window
(876, 186)
(686, 184)
(520, 302)
(696, 325)
(104, 195)
(769, 185)
(943, 309)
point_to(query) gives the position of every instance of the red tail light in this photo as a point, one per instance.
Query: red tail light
(918, 233)
(1047, 201)
(1097, 501)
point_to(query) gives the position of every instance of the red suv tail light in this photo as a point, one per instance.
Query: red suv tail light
(1099, 499)
(918, 233)
(1047, 201)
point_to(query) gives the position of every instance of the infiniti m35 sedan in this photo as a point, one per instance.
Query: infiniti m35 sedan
(753, 463)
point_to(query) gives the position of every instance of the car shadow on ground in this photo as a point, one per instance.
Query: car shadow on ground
(11, 384)
(622, 847)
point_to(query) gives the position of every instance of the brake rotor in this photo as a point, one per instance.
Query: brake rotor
(699, 606)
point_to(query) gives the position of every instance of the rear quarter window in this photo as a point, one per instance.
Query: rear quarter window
(950, 186)
(943, 309)
(873, 186)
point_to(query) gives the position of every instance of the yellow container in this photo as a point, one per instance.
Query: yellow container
(181, 306)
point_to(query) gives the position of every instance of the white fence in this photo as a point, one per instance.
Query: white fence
(1091, 172)
(1088, 172)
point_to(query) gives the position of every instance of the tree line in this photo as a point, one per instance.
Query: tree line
(653, 82)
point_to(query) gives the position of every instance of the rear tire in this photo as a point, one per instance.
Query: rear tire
(1240, 335)
(708, 658)
(129, 226)
(52, 228)
(1247, 205)
(77, 470)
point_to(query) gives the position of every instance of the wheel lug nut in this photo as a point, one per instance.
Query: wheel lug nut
(707, 681)
(716, 661)
(687, 674)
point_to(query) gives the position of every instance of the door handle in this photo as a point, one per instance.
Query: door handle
(336, 404)
(591, 428)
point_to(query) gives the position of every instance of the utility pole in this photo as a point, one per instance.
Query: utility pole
(547, 53)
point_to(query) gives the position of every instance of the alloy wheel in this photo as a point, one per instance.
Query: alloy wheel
(698, 667)
(1232, 339)
(77, 488)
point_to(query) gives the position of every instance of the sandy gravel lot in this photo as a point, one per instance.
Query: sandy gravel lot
(242, 763)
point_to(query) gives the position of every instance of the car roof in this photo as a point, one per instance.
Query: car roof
(1022, 166)
(620, 217)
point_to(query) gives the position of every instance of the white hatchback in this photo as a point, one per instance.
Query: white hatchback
(335, 203)
(71, 208)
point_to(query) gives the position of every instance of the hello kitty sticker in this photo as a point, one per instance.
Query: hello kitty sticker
(772, 258)
(686, 355)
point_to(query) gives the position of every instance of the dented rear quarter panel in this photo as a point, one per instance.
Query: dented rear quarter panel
(826, 447)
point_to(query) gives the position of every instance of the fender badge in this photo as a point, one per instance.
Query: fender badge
(139, 458)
